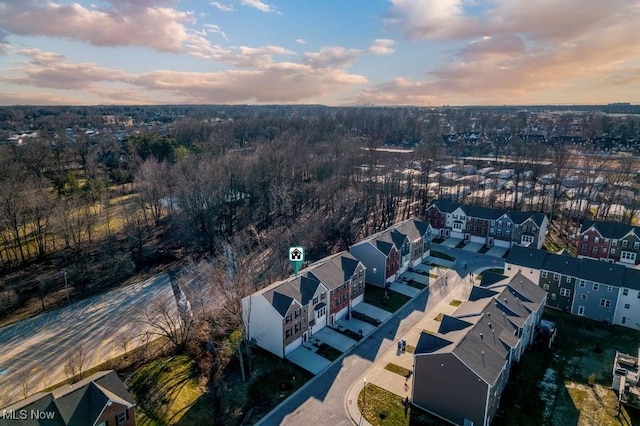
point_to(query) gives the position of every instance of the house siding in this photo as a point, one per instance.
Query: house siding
(373, 260)
(591, 305)
(110, 415)
(628, 309)
(295, 321)
(555, 298)
(262, 322)
(446, 387)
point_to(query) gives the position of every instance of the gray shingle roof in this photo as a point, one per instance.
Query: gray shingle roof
(335, 271)
(587, 269)
(609, 229)
(487, 213)
(384, 246)
(79, 404)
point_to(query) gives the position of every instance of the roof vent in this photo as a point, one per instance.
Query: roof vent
(481, 336)
(490, 326)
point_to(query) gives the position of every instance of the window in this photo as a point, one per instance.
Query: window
(596, 286)
(625, 291)
(344, 298)
(609, 288)
(565, 292)
(596, 240)
(544, 274)
(584, 297)
(625, 243)
(344, 287)
(508, 224)
(297, 328)
(287, 334)
(323, 295)
(606, 241)
(288, 319)
(594, 250)
(493, 230)
(475, 229)
(581, 310)
(297, 312)
(639, 295)
(569, 279)
(627, 255)
(613, 251)
(525, 229)
(556, 277)
(604, 249)
(582, 283)
(583, 247)
(493, 223)
(614, 243)
(624, 320)
(627, 306)
(585, 238)
(545, 287)
(507, 233)
(605, 303)
(122, 417)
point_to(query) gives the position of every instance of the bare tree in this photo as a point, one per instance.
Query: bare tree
(24, 376)
(168, 319)
(153, 180)
(76, 364)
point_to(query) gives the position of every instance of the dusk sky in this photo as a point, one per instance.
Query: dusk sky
(334, 52)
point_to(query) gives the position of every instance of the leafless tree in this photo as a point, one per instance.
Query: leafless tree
(24, 376)
(168, 319)
(153, 180)
(76, 364)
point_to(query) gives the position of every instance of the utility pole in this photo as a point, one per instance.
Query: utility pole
(66, 288)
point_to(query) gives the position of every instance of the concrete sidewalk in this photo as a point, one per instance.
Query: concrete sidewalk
(393, 382)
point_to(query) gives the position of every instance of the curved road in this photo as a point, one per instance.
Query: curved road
(322, 400)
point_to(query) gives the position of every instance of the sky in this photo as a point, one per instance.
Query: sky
(332, 52)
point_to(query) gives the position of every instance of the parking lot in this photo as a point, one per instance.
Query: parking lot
(34, 352)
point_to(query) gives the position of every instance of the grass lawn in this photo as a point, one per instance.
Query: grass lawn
(416, 284)
(551, 386)
(375, 295)
(350, 334)
(398, 369)
(410, 349)
(496, 270)
(455, 302)
(441, 255)
(439, 317)
(362, 317)
(166, 389)
(328, 352)
(383, 408)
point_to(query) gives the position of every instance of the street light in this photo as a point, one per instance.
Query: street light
(364, 395)
(66, 289)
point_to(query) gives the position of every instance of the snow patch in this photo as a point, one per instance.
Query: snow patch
(548, 390)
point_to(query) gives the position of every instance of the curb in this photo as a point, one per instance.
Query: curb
(362, 422)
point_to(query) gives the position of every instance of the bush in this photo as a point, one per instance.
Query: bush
(591, 380)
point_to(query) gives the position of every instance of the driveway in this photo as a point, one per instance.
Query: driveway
(451, 242)
(40, 346)
(372, 311)
(402, 288)
(473, 247)
(309, 360)
(496, 251)
(334, 339)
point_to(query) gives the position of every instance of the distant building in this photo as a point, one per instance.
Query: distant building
(503, 228)
(100, 399)
(461, 371)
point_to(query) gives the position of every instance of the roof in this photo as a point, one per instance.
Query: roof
(79, 404)
(412, 228)
(587, 269)
(335, 271)
(615, 230)
(516, 216)
(384, 247)
(484, 329)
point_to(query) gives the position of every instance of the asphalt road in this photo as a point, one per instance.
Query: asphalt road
(34, 351)
(322, 400)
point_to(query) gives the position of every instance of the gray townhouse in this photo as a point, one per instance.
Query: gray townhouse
(461, 370)
(595, 289)
(391, 252)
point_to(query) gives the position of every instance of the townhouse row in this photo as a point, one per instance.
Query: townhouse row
(609, 241)
(490, 227)
(595, 289)
(286, 314)
(461, 371)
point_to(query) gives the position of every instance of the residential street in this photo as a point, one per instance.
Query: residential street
(322, 400)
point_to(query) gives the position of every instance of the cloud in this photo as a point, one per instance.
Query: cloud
(382, 46)
(333, 56)
(300, 41)
(430, 19)
(4, 43)
(222, 7)
(260, 5)
(516, 50)
(213, 29)
(39, 98)
(273, 82)
(120, 23)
